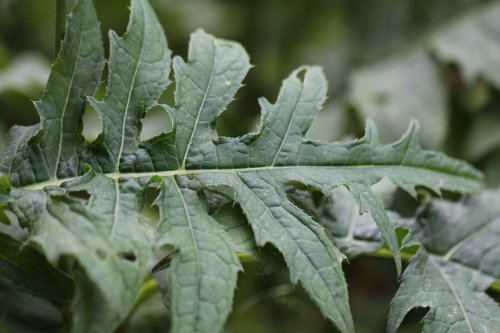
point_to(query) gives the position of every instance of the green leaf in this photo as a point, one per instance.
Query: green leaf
(53, 151)
(24, 269)
(139, 67)
(311, 257)
(457, 262)
(454, 293)
(107, 236)
(475, 221)
(96, 216)
(203, 272)
(18, 138)
(205, 86)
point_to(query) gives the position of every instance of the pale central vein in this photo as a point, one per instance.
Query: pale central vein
(196, 249)
(468, 237)
(127, 105)
(116, 210)
(202, 105)
(289, 125)
(183, 172)
(455, 295)
(66, 102)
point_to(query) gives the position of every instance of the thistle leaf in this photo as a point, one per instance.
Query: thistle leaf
(91, 209)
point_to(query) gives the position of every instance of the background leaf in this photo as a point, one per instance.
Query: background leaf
(25, 269)
(456, 264)
(459, 41)
(403, 87)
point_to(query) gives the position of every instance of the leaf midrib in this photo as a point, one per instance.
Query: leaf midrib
(192, 172)
(63, 114)
(455, 295)
(467, 237)
(116, 210)
(201, 107)
(318, 270)
(290, 122)
(197, 252)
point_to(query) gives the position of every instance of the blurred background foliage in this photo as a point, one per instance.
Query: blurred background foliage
(434, 60)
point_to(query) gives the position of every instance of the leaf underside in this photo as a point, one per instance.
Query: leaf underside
(85, 200)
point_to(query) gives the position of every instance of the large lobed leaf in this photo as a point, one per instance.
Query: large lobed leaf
(94, 214)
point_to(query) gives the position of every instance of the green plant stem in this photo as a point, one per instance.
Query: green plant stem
(246, 258)
(148, 289)
(405, 256)
(386, 253)
(495, 286)
(60, 24)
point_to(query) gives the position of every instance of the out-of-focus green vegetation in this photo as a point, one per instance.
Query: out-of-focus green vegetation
(437, 61)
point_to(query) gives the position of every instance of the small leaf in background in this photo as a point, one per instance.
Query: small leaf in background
(352, 233)
(483, 136)
(471, 42)
(401, 88)
(26, 74)
(234, 222)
